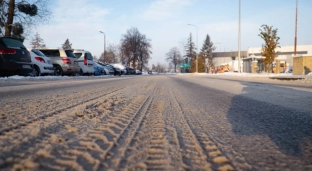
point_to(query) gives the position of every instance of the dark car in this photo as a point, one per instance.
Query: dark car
(117, 71)
(130, 71)
(14, 58)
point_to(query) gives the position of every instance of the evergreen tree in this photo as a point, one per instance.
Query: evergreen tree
(190, 51)
(190, 48)
(37, 42)
(67, 45)
(207, 50)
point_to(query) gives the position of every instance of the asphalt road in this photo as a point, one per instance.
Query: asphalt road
(156, 123)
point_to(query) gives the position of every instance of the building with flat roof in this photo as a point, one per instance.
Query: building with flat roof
(253, 57)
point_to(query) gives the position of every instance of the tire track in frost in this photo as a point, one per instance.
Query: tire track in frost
(54, 112)
(52, 131)
(192, 155)
(96, 142)
(62, 107)
(105, 137)
(213, 150)
(147, 148)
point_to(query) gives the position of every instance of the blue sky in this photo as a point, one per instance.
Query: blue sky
(166, 23)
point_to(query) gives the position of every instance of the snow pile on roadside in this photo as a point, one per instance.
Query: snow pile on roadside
(17, 77)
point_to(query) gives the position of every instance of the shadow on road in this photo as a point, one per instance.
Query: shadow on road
(285, 126)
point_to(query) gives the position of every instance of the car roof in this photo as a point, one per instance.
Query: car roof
(52, 48)
(81, 50)
(9, 37)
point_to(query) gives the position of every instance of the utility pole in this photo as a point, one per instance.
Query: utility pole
(239, 36)
(104, 45)
(295, 50)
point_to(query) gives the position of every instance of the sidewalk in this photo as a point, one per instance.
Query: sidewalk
(282, 76)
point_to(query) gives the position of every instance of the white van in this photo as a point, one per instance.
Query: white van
(85, 61)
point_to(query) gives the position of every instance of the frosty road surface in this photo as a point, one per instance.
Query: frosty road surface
(158, 122)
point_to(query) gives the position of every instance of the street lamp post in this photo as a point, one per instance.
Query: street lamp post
(104, 46)
(239, 36)
(197, 47)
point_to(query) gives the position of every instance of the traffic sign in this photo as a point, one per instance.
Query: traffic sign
(184, 65)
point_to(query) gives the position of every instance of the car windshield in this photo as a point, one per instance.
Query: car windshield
(38, 52)
(13, 43)
(78, 55)
(70, 53)
(88, 56)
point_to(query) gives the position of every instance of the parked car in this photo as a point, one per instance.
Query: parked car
(288, 69)
(42, 64)
(121, 68)
(108, 70)
(14, 58)
(64, 61)
(98, 69)
(85, 61)
(130, 71)
(138, 72)
(116, 70)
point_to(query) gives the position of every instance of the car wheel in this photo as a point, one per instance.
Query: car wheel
(58, 71)
(37, 71)
(81, 72)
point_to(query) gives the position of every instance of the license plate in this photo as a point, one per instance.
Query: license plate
(26, 66)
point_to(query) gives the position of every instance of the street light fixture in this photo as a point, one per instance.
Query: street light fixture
(104, 46)
(197, 46)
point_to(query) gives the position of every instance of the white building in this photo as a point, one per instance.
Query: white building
(253, 54)
(284, 53)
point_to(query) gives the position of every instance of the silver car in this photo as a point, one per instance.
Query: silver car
(64, 61)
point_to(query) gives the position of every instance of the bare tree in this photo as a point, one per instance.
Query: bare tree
(174, 57)
(111, 54)
(136, 48)
(160, 68)
(37, 42)
(269, 35)
(15, 15)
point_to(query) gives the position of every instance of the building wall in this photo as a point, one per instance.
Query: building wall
(223, 58)
(302, 65)
(284, 53)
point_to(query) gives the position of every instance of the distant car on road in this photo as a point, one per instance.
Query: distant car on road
(42, 64)
(14, 58)
(138, 72)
